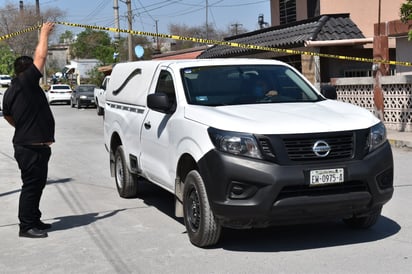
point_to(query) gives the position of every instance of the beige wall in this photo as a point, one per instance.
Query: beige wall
(363, 12)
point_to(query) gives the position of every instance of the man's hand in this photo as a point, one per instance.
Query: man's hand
(9, 119)
(47, 28)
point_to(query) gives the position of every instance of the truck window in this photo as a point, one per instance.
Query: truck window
(245, 84)
(165, 85)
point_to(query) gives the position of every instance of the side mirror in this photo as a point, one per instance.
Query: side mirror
(329, 92)
(160, 102)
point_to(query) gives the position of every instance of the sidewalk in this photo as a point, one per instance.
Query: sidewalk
(400, 138)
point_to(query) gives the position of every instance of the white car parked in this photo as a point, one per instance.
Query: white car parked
(5, 80)
(99, 95)
(59, 93)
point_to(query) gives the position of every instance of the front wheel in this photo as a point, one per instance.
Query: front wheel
(364, 221)
(99, 109)
(126, 182)
(201, 226)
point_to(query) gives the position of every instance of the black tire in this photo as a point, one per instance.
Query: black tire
(126, 183)
(99, 109)
(201, 226)
(78, 104)
(364, 221)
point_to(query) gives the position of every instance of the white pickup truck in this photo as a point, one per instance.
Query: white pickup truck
(100, 95)
(244, 143)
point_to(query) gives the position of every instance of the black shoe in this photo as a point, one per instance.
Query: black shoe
(43, 226)
(33, 233)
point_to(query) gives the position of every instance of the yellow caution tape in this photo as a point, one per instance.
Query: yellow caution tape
(218, 42)
(241, 45)
(11, 35)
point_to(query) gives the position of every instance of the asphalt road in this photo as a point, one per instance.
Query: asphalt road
(96, 231)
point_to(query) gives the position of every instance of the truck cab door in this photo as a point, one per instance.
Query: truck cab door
(156, 147)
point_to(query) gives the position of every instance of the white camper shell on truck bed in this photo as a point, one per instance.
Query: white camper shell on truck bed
(244, 143)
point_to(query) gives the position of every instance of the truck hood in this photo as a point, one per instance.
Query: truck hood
(283, 118)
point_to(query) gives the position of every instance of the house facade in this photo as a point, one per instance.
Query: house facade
(349, 28)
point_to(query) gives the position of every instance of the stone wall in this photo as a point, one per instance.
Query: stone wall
(397, 98)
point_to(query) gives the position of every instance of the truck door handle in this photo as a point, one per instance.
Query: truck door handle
(147, 125)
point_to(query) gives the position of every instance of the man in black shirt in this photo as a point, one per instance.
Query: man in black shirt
(26, 108)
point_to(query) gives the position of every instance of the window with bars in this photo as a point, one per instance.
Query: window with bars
(287, 11)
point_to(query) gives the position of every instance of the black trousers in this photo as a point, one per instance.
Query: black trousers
(33, 163)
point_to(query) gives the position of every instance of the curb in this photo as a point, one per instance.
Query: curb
(400, 143)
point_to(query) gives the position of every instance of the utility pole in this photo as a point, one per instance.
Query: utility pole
(207, 21)
(129, 37)
(117, 26)
(157, 38)
(236, 25)
(116, 19)
(38, 8)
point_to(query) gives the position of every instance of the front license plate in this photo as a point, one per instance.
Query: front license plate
(326, 176)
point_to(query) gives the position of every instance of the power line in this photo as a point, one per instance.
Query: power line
(97, 10)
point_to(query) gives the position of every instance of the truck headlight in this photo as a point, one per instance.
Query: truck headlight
(236, 143)
(377, 136)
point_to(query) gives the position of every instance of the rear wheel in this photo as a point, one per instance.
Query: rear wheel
(201, 226)
(364, 221)
(126, 182)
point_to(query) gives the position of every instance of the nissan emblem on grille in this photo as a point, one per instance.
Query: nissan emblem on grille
(321, 148)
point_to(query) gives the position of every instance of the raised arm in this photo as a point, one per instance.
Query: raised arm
(40, 54)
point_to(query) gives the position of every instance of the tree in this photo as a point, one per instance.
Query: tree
(123, 50)
(92, 44)
(7, 58)
(406, 14)
(66, 37)
(13, 20)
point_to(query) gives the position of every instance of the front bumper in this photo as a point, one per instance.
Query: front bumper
(87, 102)
(245, 192)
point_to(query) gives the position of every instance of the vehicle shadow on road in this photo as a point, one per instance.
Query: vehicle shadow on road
(305, 236)
(281, 238)
(68, 222)
(159, 198)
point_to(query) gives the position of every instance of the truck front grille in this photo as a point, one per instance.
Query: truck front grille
(291, 149)
(301, 149)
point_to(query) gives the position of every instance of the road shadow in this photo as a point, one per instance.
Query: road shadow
(59, 181)
(69, 222)
(303, 237)
(49, 182)
(153, 195)
(280, 238)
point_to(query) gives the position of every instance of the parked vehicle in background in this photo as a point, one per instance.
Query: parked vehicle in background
(99, 95)
(59, 93)
(5, 80)
(83, 95)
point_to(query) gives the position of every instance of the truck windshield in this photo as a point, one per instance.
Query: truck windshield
(245, 84)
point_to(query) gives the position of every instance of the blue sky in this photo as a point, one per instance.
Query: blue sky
(221, 13)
